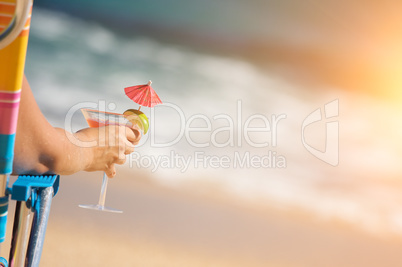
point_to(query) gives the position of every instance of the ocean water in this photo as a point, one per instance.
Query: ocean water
(198, 135)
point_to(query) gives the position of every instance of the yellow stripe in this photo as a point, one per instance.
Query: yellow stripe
(12, 64)
(8, 2)
(13, 58)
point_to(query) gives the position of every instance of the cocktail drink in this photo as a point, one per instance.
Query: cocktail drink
(143, 95)
(130, 118)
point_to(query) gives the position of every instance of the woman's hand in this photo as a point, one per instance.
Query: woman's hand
(41, 148)
(107, 146)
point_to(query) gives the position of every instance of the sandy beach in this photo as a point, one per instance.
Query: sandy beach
(164, 226)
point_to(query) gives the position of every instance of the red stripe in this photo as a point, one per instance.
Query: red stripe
(8, 117)
(7, 9)
(5, 20)
(12, 96)
(8, 105)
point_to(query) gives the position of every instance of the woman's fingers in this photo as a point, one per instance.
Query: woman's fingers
(133, 135)
(110, 171)
(121, 155)
(121, 161)
(115, 142)
(128, 147)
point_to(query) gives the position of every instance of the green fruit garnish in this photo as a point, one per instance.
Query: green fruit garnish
(138, 118)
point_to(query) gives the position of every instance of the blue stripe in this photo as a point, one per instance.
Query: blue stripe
(6, 153)
(3, 218)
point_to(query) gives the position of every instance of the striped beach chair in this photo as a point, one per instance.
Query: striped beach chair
(33, 194)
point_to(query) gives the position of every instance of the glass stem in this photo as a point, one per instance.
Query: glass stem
(102, 195)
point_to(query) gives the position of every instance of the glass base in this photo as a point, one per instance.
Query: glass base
(100, 208)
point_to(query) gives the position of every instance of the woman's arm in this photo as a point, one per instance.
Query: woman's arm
(41, 148)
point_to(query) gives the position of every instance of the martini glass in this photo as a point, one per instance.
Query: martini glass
(95, 119)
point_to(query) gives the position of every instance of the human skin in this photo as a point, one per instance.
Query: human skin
(43, 149)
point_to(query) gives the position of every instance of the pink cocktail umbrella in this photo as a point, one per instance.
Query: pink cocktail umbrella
(143, 95)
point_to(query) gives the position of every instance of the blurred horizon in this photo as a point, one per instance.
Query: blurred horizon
(353, 45)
